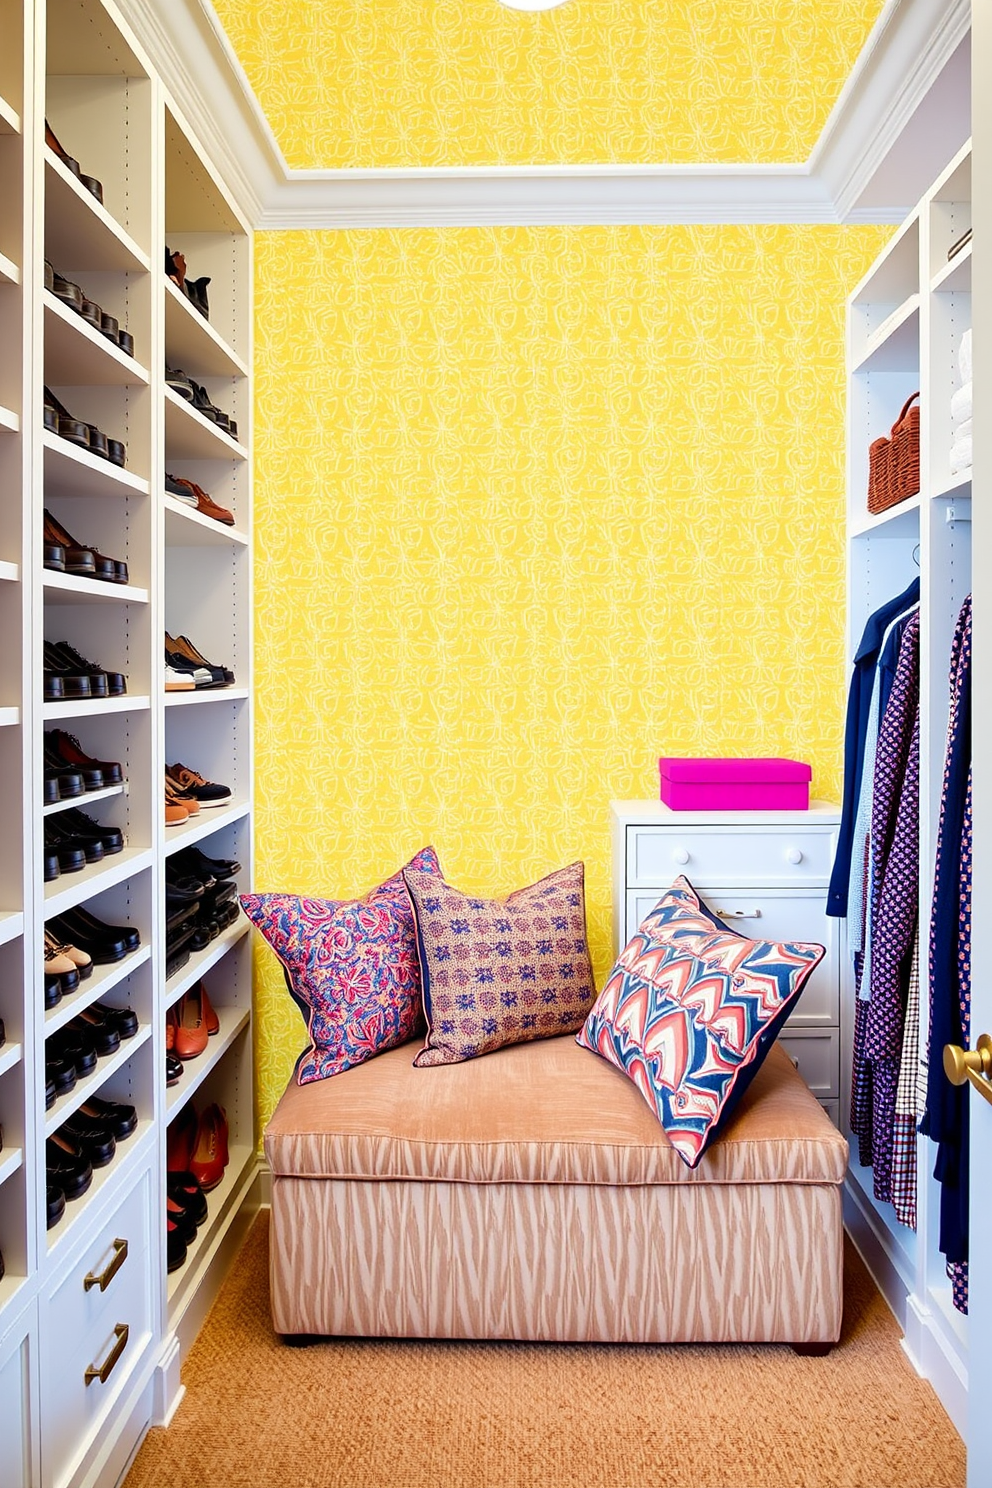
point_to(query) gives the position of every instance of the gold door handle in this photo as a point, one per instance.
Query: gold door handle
(962, 1065)
(102, 1279)
(102, 1372)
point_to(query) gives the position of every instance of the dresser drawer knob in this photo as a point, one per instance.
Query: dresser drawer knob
(102, 1372)
(680, 855)
(794, 855)
(103, 1278)
(738, 914)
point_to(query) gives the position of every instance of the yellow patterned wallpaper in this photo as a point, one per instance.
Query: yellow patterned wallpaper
(534, 506)
(469, 82)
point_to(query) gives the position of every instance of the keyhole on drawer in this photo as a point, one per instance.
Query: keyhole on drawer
(680, 855)
(794, 855)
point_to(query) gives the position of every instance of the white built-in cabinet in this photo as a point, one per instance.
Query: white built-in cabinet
(905, 321)
(91, 1296)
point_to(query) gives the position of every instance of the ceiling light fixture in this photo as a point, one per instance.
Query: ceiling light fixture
(532, 4)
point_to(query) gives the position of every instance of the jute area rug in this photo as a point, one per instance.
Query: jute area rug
(362, 1413)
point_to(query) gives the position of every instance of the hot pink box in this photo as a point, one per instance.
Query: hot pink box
(735, 784)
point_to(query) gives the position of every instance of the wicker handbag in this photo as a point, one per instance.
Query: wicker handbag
(894, 463)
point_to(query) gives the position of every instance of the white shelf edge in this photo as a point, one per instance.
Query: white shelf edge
(100, 213)
(103, 980)
(209, 820)
(94, 707)
(85, 799)
(10, 1164)
(206, 695)
(11, 925)
(9, 420)
(950, 270)
(9, 116)
(228, 446)
(203, 327)
(94, 339)
(883, 519)
(9, 572)
(113, 474)
(98, 590)
(200, 962)
(233, 1022)
(217, 530)
(70, 889)
(106, 1065)
(959, 487)
(10, 1054)
(223, 1203)
(9, 270)
(885, 332)
(9, 717)
(129, 1154)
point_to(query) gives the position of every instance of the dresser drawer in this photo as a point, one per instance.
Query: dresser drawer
(751, 855)
(90, 1329)
(770, 914)
(817, 1058)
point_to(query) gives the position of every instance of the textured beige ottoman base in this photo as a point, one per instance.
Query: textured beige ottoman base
(533, 1195)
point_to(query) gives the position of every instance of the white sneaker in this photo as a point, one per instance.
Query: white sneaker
(179, 681)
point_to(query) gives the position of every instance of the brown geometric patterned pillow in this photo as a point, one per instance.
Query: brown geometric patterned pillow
(498, 972)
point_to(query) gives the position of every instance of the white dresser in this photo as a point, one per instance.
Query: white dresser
(764, 871)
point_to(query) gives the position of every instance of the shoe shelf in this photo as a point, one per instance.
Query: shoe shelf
(68, 589)
(11, 925)
(223, 1203)
(191, 342)
(79, 231)
(209, 820)
(9, 272)
(9, 572)
(10, 1054)
(10, 1162)
(71, 471)
(95, 707)
(96, 986)
(898, 521)
(191, 436)
(9, 420)
(206, 695)
(232, 1021)
(958, 488)
(130, 1155)
(86, 800)
(200, 962)
(955, 275)
(106, 1065)
(896, 338)
(70, 889)
(186, 528)
(9, 716)
(10, 119)
(77, 354)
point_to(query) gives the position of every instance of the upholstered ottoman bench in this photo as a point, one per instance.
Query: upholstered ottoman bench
(532, 1194)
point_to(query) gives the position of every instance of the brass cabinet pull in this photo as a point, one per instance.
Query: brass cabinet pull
(738, 914)
(103, 1278)
(103, 1371)
(961, 1065)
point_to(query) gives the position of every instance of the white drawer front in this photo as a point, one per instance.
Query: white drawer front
(657, 855)
(90, 1328)
(786, 915)
(15, 1455)
(817, 1058)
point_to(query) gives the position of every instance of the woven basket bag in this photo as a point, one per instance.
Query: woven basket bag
(894, 463)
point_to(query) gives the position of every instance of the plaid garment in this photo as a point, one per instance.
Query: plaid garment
(904, 1129)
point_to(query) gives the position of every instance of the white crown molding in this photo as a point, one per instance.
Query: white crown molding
(909, 46)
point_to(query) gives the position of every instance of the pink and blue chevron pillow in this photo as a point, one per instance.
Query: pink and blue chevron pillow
(689, 1012)
(351, 967)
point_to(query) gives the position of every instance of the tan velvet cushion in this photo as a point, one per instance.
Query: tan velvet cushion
(544, 1112)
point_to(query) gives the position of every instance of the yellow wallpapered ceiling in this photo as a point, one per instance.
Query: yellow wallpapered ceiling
(469, 82)
(534, 506)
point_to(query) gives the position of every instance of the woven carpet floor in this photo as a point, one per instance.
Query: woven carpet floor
(393, 1414)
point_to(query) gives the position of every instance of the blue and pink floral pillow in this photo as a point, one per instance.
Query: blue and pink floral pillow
(351, 966)
(689, 1012)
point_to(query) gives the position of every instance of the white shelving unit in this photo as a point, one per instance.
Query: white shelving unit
(904, 325)
(77, 65)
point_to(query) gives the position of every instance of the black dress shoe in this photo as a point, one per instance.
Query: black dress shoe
(93, 1025)
(175, 1246)
(75, 683)
(186, 1190)
(93, 1138)
(73, 852)
(125, 1020)
(51, 869)
(121, 1118)
(60, 1072)
(54, 1204)
(49, 1093)
(183, 1221)
(72, 1047)
(61, 421)
(116, 682)
(88, 924)
(61, 784)
(68, 1166)
(53, 991)
(64, 749)
(196, 862)
(173, 1069)
(84, 826)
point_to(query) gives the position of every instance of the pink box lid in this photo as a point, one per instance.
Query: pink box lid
(735, 771)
